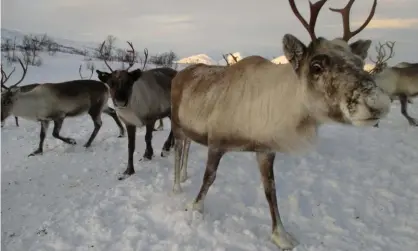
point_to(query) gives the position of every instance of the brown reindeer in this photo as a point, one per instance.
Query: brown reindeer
(399, 81)
(258, 106)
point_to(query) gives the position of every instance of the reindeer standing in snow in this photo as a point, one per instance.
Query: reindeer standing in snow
(257, 106)
(399, 81)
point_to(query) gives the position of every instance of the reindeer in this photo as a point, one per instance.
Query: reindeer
(140, 98)
(56, 101)
(258, 106)
(399, 81)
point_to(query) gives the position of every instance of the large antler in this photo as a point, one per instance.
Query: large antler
(5, 77)
(104, 56)
(146, 58)
(314, 8)
(382, 56)
(345, 13)
(132, 51)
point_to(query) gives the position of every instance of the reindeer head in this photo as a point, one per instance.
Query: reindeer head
(338, 89)
(9, 94)
(120, 82)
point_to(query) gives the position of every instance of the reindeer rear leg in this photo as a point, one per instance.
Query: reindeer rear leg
(112, 113)
(279, 236)
(149, 151)
(404, 103)
(185, 159)
(56, 132)
(44, 128)
(178, 138)
(17, 121)
(96, 116)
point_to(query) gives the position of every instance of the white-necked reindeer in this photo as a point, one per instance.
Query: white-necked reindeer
(399, 81)
(56, 101)
(257, 106)
(140, 99)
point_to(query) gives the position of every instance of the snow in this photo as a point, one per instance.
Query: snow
(357, 190)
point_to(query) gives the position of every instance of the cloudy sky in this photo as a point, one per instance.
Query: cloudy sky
(213, 27)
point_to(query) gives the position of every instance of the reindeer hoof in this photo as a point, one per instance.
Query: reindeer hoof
(165, 153)
(413, 122)
(37, 152)
(284, 240)
(126, 174)
(70, 141)
(177, 189)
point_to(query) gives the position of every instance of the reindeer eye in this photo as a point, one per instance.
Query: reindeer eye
(316, 67)
(319, 63)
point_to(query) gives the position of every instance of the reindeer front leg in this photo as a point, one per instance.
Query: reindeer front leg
(149, 151)
(279, 236)
(131, 130)
(404, 103)
(44, 129)
(17, 121)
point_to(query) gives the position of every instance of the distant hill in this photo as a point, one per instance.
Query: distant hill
(195, 59)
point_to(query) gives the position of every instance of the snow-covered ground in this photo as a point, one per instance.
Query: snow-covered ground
(357, 190)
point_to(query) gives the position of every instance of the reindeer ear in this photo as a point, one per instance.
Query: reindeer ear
(103, 76)
(135, 74)
(294, 50)
(361, 47)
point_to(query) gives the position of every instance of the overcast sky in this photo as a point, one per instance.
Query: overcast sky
(213, 27)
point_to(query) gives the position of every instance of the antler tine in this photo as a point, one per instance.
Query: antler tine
(79, 72)
(133, 55)
(5, 77)
(25, 69)
(233, 57)
(146, 58)
(104, 58)
(314, 9)
(226, 59)
(345, 13)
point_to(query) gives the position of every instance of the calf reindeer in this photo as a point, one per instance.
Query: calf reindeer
(140, 98)
(56, 101)
(257, 106)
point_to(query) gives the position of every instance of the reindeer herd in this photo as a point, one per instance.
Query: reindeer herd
(252, 105)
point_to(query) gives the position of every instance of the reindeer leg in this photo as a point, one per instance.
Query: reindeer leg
(178, 147)
(131, 130)
(214, 157)
(167, 145)
(95, 115)
(161, 125)
(149, 151)
(279, 236)
(56, 132)
(404, 103)
(184, 159)
(44, 128)
(17, 121)
(112, 113)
